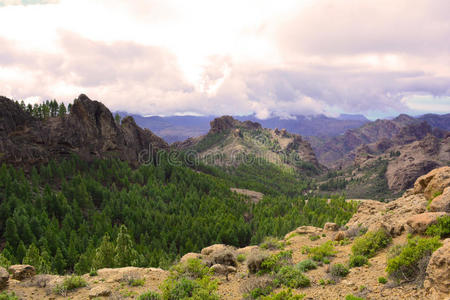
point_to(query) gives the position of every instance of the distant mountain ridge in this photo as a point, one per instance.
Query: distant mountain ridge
(179, 128)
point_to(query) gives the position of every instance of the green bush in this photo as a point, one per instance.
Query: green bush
(406, 264)
(93, 272)
(272, 243)
(382, 280)
(193, 268)
(150, 295)
(314, 237)
(274, 262)
(321, 252)
(7, 296)
(255, 260)
(283, 295)
(357, 261)
(441, 228)
(306, 265)
(70, 283)
(370, 243)
(136, 282)
(240, 258)
(351, 297)
(339, 270)
(292, 277)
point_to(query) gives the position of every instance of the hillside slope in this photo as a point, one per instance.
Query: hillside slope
(252, 272)
(231, 142)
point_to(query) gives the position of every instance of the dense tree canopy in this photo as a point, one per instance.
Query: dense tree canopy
(74, 215)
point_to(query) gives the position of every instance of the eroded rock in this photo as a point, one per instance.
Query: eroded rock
(419, 223)
(441, 202)
(99, 291)
(4, 277)
(21, 272)
(438, 270)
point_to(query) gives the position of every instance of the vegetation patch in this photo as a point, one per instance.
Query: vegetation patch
(441, 228)
(382, 280)
(351, 297)
(370, 243)
(150, 295)
(320, 253)
(283, 295)
(357, 261)
(339, 270)
(8, 296)
(70, 283)
(412, 259)
(292, 277)
(272, 243)
(306, 265)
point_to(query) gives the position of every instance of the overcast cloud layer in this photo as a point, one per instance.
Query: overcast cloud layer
(227, 57)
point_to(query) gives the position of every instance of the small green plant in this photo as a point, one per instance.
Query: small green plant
(241, 258)
(382, 280)
(93, 272)
(292, 277)
(272, 243)
(192, 268)
(150, 295)
(351, 297)
(321, 252)
(283, 295)
(370, 243)
(324, 235)
(306, 265)
(69, 284)
(274, 262)
(362, 288)
(326, 261)
(314, 237)
(357, 261)
(8, 296)
(322, 281)
(136, 282)
(339, 270)
(441, 228)
(406, 264)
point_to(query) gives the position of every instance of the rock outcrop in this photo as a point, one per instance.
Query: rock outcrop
(89, 131)
(438, 271)
(21, 272)
(441, 202)
(4, 277)
(419, 223)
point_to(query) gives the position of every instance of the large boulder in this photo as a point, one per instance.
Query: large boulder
(304, 230)
(331, 226)
(438, 270)
(419, 223)
(21, 272)
(441, 202)
(214, 248)
(99, 291)
(4, 277)
(433, 182)
(190, 255)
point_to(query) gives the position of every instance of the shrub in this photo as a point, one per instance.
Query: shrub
(306, 265)
(136, 281)
(93, 272)
(292, 277)
(272, 243)
(193, 268)
(314, 237)
(255, 260)
(370, 243)
(274, 262)
(357, 261)
(258, 286)
(283, 295)
(441, 228)
(70, 283)
(339, 270)
(7, 296)
(351, 297)
(407, 264)
(241, 258)
(190, 280)
(382, 280)
(320, 252)
(150, 295)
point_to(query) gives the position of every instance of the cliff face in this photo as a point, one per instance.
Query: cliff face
(89, 131)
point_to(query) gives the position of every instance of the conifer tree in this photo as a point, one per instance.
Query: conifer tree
(104, 254)
(126, 255)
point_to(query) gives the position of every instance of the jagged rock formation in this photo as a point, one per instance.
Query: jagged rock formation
(89, 131)
(228, 138)
(382, 134)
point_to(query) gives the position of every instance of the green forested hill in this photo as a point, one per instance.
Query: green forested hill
(69, 215)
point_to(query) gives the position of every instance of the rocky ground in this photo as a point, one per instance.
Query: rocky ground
(410, 214)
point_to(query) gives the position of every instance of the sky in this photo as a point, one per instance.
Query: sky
(208, 57)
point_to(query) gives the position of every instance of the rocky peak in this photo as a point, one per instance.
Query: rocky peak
(226, 123)
(89, 131)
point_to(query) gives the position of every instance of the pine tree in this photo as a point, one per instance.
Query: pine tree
(117, 118)
(59, 264)
(126, 255)
(62, 110)
(105, 254)
(11, 235)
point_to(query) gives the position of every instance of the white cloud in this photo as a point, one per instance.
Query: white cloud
(233, 57)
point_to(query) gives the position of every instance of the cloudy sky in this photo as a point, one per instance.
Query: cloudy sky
(164, 57)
